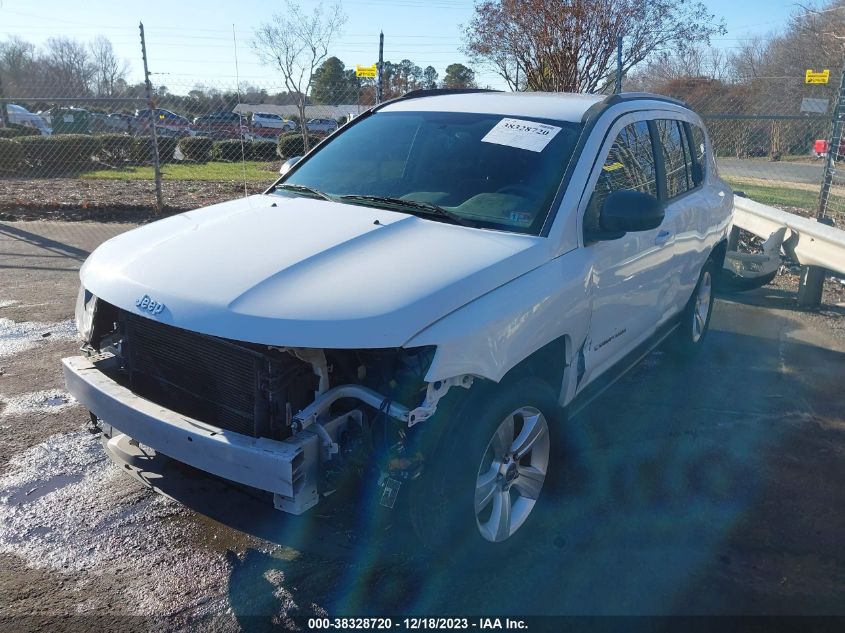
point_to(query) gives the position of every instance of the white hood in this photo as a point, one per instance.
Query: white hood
(306, 273)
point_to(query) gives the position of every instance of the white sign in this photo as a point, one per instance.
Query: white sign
(814, 106)
(67, 118)
(522, 134)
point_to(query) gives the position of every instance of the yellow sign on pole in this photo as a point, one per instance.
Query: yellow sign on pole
(366, 71)
(812, 77)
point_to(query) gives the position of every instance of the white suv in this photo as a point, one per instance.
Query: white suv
(263, 121)
(425, 293)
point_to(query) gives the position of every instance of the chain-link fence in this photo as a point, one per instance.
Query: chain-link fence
(772, 140)
(213, 142)
(217, 142)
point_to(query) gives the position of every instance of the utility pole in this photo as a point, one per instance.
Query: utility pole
(4, 115)
(833, 147)
(152, 112)
(618, 64)
(811, 281)
(380, 66)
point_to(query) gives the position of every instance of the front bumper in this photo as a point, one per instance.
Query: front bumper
(288, 468)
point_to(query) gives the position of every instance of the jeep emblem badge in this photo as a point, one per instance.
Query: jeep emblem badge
(146, 303)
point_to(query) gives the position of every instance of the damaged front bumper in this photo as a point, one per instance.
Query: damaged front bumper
(288, 468)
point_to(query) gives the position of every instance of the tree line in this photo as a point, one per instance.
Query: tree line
(63, 67)
(335, 84)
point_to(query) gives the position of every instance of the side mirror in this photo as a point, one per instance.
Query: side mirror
(288, 164)
(627, 210)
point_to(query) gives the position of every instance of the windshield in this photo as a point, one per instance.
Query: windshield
(495, 171)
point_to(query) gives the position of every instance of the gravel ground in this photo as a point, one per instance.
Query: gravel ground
(704, 488)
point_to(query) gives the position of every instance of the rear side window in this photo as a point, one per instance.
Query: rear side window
(672, 142)
(629, 164)
(696, 138)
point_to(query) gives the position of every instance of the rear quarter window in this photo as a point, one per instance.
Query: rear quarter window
(698, 149)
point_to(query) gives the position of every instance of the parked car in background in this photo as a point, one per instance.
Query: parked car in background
(114, 123)
(264, 122)
(821, 147)
(70, 120)
(167, 123)
(326, 126)
(221, 125)
(21, 116)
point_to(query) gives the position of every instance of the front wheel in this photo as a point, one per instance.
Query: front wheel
(485, 476)
(511, 474)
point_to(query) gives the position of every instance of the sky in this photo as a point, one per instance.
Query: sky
(191, 42)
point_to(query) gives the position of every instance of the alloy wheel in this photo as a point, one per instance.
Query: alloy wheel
(701, 309)
(511, 474)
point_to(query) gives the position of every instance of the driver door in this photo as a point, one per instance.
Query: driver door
(629, 276)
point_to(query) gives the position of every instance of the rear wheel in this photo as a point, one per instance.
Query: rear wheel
(695, 319)
(485, 476)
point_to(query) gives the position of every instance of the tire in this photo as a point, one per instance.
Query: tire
(727, 281)
(477, 436)
(695, 319)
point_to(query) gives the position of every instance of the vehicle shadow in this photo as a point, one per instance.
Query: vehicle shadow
(776, 298)
(45, 243)
(677, 493)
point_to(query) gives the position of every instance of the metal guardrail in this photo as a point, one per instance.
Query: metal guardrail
(809, 242)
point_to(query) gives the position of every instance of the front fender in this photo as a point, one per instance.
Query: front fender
(492, 334)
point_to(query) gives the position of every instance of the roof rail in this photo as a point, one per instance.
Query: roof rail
(433, 92)
(631, 96)
(597, 108)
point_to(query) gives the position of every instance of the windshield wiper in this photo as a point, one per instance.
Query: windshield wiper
(413, 207)
(306, 190)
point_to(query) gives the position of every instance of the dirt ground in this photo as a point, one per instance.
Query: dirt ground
(713, 487)
(103, 200)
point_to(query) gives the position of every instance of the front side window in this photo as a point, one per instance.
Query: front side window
(487, 169)
(629, 165)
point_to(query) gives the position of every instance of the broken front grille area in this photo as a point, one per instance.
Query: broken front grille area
(227, 384)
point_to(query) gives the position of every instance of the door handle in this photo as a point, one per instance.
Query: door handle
(662, 238)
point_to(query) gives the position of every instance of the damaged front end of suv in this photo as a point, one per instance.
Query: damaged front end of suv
(290, 421)
(421, 298)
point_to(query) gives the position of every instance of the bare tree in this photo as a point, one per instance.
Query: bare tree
(107, 68)
(826, 24)
(17, 58)
(296, 43)
(570, 45)
(749, 61)
(67, 67)
(696, 62)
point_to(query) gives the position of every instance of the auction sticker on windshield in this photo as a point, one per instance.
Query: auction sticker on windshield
(522, 134)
